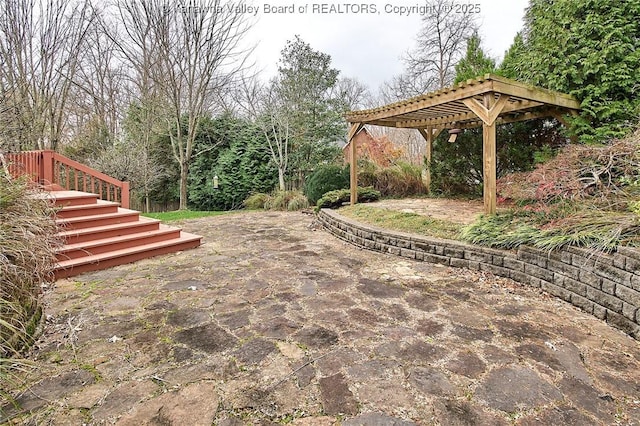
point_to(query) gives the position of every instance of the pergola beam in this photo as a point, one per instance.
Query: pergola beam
(536, 94)
(454, 119)
(432, 122)
(484, 113)
(515, 118)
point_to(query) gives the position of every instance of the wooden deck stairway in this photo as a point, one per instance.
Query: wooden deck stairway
(100, 234)
(98, 229)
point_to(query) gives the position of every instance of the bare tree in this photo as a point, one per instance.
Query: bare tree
(100, 92)
(131, 30)
(41, 44)
(198, 52)
(440, 45)
(130, 160)
(351, 93)
(265, 105)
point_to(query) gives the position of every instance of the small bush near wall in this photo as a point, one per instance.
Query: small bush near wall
(334, 199)
(326, 178)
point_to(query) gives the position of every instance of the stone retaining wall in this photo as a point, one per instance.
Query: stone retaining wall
(606, 286)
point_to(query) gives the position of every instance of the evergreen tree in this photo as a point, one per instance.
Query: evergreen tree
(475, 63)
(306, 81)
(590, 49)
(234, 150)
(512, 66)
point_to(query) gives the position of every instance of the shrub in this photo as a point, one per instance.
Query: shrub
(297, 202)
(598, 230)
(256, 201)
(278, 200)
(367, 172)
(324, 179)
(579, 172)
(27, 238)
(334, 199)
(399, 180)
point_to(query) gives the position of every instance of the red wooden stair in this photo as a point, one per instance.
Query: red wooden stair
(99, 234)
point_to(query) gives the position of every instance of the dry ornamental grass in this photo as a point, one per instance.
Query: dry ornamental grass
(27, 243)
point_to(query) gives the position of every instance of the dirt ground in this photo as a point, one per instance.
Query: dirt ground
(272, 321)
(459, 211)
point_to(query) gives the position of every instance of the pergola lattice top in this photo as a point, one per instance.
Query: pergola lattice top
(485, 101)
(463, 105)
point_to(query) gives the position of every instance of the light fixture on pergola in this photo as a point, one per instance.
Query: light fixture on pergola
(484, 102)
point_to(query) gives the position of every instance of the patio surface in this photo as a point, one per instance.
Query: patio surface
(271, 321)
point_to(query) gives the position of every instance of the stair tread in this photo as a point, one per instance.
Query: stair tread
(72, 194)
(163, 229)
(141, 221)
(120, 213)
(65, 195)
(100, 203)
(184, 237)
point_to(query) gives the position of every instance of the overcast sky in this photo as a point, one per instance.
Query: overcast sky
(365, 45)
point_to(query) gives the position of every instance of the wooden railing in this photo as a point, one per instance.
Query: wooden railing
(49, 167)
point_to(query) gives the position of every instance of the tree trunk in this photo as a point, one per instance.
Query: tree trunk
(184, 175)
(281, 179)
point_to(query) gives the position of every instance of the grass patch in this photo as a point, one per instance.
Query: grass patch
(404, 222)
(182, 215)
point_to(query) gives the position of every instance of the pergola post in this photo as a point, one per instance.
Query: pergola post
(427, 158)
(490, 165)
(353, 166)
(429, 135)
(488, 111)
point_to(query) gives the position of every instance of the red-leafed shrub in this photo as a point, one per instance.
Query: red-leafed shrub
(600, 173)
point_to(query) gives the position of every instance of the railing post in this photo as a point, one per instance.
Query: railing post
(124, 195)
(46, 168)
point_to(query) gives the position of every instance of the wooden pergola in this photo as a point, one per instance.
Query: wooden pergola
(486, 101)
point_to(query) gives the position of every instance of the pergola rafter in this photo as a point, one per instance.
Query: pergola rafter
(485, 102)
